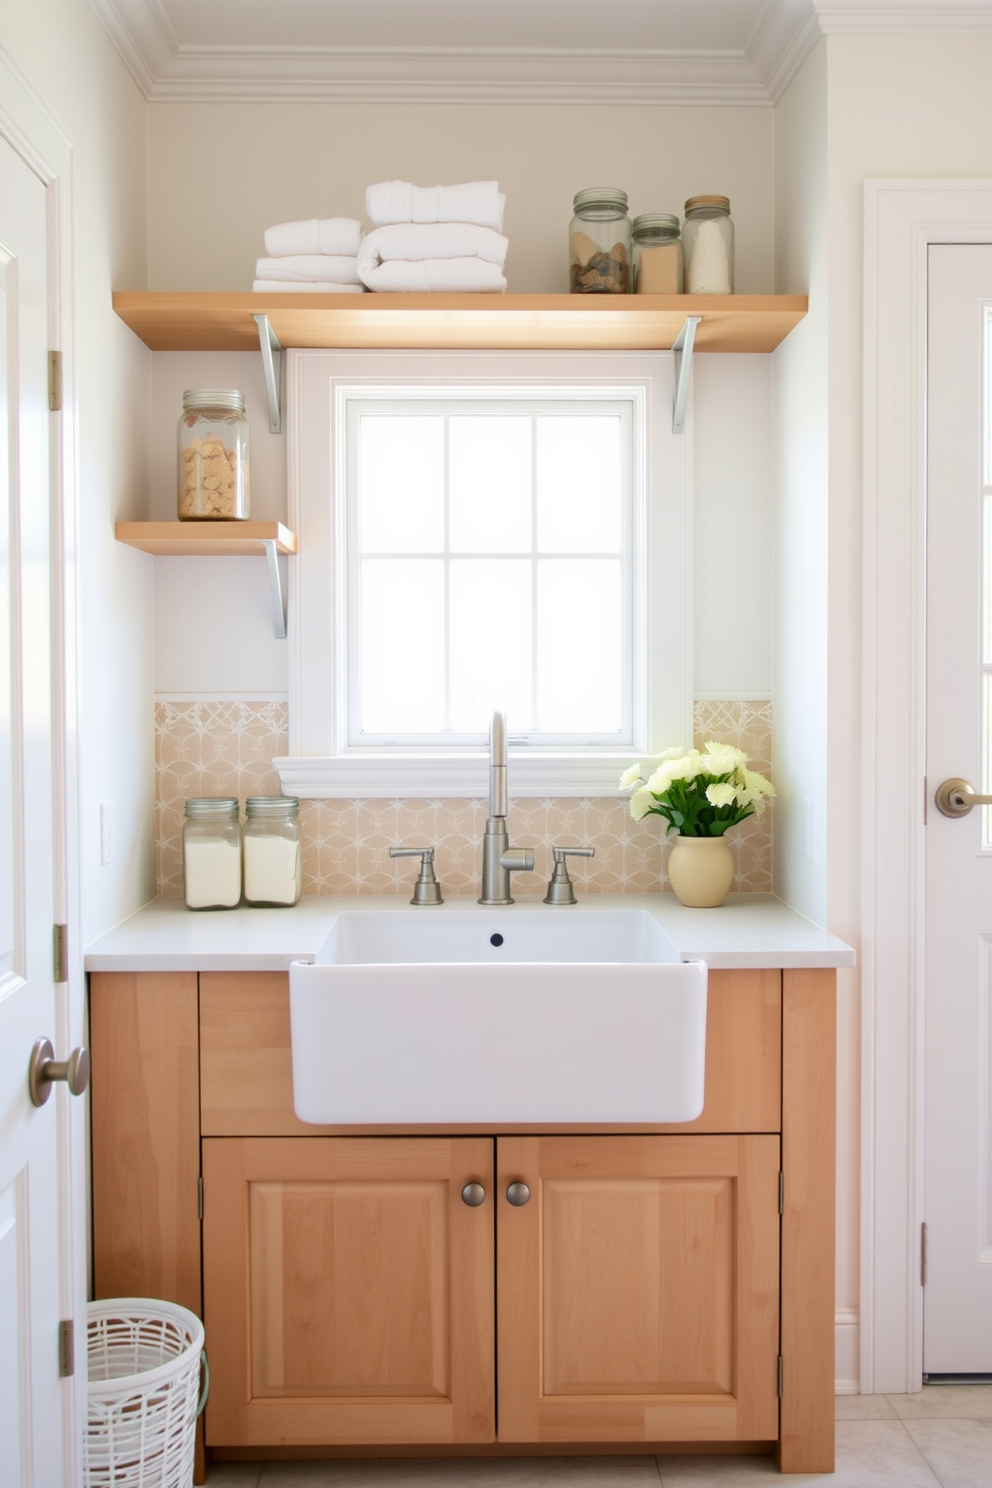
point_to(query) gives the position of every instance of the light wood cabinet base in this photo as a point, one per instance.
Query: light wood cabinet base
(356, 1305)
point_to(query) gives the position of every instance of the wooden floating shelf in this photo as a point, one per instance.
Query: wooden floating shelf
(206, 539)
(180, 321)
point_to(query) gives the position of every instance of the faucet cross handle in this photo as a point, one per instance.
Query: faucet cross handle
(426, 890)
(561, 889)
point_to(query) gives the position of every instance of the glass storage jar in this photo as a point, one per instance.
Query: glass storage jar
(657, 254)
(214, 481)
(212, 853)
(272, 856)
(599, 242)
(708, 245)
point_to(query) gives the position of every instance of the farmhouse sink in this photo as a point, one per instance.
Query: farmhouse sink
(500, 1015)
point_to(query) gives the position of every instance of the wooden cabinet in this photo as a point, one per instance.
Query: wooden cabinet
(348, 1290)
(638, 1289)
(351, 1298)
(346, 1281)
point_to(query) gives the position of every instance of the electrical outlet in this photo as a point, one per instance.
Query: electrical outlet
(806, 809)
(106, 832)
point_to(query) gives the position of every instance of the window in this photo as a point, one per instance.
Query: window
(482, 530)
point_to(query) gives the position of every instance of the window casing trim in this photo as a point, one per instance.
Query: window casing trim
(320, 762)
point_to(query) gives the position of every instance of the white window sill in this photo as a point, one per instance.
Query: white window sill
(394, 775)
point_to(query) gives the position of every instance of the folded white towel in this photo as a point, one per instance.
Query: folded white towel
(435, 276)
(318, 235)
(435, 240)
(304, 286)
(398, 201)
(335, 268)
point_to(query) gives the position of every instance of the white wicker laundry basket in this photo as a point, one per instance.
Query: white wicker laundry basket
(144, 1375)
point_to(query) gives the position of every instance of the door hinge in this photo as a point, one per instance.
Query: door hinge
(60, 952)
(781, 1193)
(199, 1196)
(54, 381)
(923, 1255)
(67, 1350)
(780, 1376)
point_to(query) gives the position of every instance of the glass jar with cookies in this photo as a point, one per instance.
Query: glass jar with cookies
(214, 483)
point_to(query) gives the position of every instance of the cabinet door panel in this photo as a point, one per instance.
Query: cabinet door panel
(638, 1290)
(348, 1290)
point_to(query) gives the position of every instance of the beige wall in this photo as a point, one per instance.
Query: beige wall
(64, 52)
(220, 173)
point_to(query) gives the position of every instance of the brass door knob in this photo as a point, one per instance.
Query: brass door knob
(955, 797)
(44, 1069)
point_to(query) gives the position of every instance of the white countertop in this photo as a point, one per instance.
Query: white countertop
(747, 930)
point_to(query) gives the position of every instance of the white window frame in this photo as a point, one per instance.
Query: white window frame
(321, 763)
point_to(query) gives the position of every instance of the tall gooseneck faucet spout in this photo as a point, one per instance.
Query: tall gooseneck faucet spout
(499, 859)
(497, 766)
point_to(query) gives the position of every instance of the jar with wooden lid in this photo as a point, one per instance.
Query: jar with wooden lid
(657, 254)
(599, 242)
(708, 245)
(212, 853)
(214, 482)
(273, 872)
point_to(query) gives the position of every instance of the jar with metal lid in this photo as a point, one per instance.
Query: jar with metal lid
(708, 245)
(599, 242)
(214, 483)
(657, 254)
(212, 853)
(272, 855)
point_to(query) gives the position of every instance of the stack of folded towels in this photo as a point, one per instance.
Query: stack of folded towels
(434, 239)
(316, 257)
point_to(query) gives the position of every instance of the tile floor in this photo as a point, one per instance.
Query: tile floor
(942, 1436)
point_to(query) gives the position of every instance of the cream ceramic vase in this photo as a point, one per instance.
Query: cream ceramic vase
(701, 870)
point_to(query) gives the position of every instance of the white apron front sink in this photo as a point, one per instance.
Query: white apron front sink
(527, 1014)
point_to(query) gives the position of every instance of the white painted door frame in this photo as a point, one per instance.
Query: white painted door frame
(31, 129)
(902, 218)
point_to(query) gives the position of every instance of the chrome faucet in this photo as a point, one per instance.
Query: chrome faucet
(499, 859)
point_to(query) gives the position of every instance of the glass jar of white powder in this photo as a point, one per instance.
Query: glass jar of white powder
(272, 856)
(708, 246)
(212, 853)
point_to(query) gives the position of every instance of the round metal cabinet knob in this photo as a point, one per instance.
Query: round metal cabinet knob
(473, 1194)
(44, 1069)
(518, 1194)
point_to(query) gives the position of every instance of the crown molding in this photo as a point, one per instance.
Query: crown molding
(449, 75)
(756, 75)
(923, 17)
(167, 71)
(141, 32)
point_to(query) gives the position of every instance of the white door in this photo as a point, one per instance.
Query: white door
(957, 1307)
(31, 1391)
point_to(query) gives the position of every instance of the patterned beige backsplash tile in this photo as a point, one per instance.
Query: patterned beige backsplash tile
(227, 748)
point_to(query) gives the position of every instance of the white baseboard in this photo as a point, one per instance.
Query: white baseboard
(846, 1351)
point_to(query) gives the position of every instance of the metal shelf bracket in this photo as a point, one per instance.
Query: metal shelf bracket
(682, 347)
(277, 566)
(271, 348)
